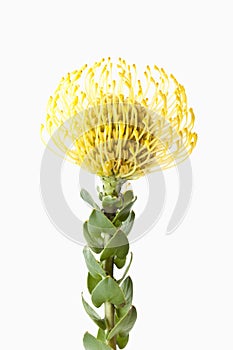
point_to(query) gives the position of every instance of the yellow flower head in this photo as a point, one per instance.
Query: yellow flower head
(106, 120)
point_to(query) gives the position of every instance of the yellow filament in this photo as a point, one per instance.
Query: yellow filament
(119, 125)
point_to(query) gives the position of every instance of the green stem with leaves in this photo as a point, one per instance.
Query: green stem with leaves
(109, 307)
(106, 234)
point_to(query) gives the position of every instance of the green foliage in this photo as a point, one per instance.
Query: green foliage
(111, 204)
(91, 343)
(106, 233)
(128, 197)
(119, 262)
(123, 214)
(95, 243)
(92, 282)
(98, 223)
(108, 290)
(101, 335)
(127, 288)
(122, 341)
(93, 265)
(87, 198)
(127, 269)
(124, 325)
(117, 246)
(93, 315)
(127, 225)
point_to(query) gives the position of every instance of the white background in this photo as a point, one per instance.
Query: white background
(183, 282)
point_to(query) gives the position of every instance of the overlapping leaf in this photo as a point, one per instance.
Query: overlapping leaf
(127, 288)
(127, 225)
(122, 341)
(119, 262)
(101, 335)
(118, 246)
(123, 214)
(93, 315)
(98, 223)
(91, 343)
(96, 243)
(93, 265)
(92, 282)
(124, 325)
(107, 290)
(111, 204)
(85, 195)
(127, 269)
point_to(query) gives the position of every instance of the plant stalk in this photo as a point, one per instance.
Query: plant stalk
(111, 187)
(109, 308)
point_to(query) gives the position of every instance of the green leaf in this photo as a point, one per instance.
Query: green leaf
(122, 341)
(101, 335)
(127, 225)
(93, 315)
(127, 269)
(127, 288)
(92, 282)
(128, 197)
(111, 204)
(93, 265)
(119, 262)
(124, 326)
(118, 246)
(87, 198)
(107, 290)
(94, 243)
(91, 343)
(124, 212)
(99, 223)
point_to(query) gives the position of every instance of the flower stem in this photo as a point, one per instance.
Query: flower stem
(109, 308)
(111, 188)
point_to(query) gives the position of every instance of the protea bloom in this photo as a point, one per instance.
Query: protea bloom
(106, 120)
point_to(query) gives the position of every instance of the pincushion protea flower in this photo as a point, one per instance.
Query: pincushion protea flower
(120, 126)
(106, 120)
